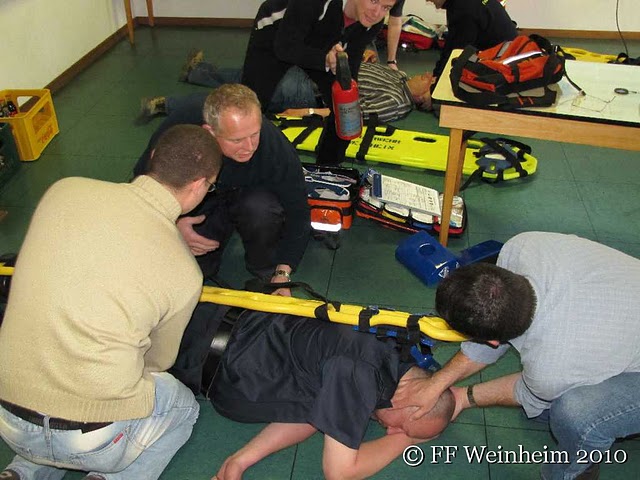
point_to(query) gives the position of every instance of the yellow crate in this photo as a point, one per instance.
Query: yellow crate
(35, 124)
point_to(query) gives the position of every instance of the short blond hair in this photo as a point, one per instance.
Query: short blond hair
(230, 95)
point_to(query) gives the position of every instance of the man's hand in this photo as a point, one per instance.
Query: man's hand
(230, 470)
(285, 292)
(370, 56)
(425, 392)
(198, 244)
(420, 392)
(331, 59)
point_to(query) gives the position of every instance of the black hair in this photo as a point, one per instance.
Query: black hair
(486, 302)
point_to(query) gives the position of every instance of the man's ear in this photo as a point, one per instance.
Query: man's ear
(191, 194)
(200, 183)
(209, 129)
(194, 187)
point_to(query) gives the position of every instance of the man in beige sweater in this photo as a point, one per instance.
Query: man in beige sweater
(103, 289)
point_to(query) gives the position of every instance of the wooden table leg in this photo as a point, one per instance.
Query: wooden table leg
(152, 20)
(127, 9)
(453, 174)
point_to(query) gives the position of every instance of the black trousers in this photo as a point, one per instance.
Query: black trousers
(257, 216)
(331, 148)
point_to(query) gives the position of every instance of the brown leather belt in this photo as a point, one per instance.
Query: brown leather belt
(54, 423)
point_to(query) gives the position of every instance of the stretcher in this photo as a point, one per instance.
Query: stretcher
(399, 147)
(587, 56)
(433, 327)
(414, 334)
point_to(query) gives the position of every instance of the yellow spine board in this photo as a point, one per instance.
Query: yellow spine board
(411, 149)
(587, 56)
(433, 327)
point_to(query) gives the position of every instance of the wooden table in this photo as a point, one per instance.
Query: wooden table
(600, 118)
(127, 9)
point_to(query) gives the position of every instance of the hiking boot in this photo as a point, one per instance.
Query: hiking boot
(9, 475)
(193, 59)
(152, 106)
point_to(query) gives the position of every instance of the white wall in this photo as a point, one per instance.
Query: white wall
(42, 38)
(199, 8)
(553, 15)
(543, 14)
(575, 14)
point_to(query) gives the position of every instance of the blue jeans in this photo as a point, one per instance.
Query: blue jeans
(208, 75)
(139, 448)
(295, 90)
(589, 419)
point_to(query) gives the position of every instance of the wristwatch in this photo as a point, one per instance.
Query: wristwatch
(312, 111)
(392, 62)
(282, 273)
(470, 397)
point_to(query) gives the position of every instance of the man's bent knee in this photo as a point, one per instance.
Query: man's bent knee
(259, 208)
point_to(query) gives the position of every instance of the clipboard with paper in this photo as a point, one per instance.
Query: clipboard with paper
(406, 194)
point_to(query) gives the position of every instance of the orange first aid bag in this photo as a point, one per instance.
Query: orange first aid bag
(512, 74)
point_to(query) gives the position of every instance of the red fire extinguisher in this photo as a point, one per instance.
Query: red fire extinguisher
(346, 103)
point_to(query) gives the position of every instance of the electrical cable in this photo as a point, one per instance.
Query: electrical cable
(626, 50)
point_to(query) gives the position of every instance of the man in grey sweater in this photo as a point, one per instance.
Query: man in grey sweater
(570, 307)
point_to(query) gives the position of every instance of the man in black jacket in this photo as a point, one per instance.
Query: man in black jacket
(309, 34)
(481, 23)
(260, 191)
(303, 375)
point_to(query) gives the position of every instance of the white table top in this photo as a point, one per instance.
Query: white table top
(598, 80)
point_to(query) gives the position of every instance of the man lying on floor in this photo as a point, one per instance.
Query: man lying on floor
(303, 375)
(390, 94)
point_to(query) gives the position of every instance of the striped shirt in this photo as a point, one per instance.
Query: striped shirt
(384, 91)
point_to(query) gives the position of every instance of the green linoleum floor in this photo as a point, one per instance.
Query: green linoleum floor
(592, 192)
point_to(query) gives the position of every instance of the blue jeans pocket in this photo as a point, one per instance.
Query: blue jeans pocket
(114, 449)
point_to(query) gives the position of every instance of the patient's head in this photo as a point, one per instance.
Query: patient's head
(420, 88)
(398, 420)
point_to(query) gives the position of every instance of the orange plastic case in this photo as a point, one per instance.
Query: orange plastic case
(333, 215)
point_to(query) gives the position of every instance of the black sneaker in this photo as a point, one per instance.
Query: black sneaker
(149, 108)
(152, 106)
(193, 59)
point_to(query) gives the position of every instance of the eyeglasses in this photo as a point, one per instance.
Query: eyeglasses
(212, 186)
